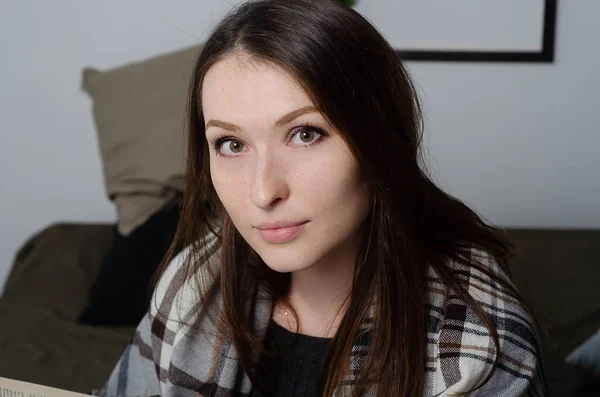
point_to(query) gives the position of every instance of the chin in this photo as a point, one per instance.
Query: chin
(285, 268)
(285, 259)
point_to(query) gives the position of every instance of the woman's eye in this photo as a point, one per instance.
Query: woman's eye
(306, 135)
(230, 146)
(303, 136)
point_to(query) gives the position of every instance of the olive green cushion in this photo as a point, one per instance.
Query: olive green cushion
(46, 290)
(38, 345)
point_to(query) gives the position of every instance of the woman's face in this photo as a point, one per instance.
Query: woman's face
(295, 193)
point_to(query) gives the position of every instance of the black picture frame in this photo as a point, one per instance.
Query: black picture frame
(546, 54)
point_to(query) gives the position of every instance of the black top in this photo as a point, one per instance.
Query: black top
(296, 367)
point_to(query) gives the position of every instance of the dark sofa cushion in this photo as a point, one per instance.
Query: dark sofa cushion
(41, 346)
(121, 292)
(550, 264)
(55, 268)
(557, 271)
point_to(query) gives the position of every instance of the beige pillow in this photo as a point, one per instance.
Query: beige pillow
(139, 111)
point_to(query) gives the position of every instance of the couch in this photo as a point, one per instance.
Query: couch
(47, 288)
(41, 342)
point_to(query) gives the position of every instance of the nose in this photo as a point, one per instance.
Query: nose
(268, 182)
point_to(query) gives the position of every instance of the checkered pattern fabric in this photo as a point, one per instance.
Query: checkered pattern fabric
(170, 358)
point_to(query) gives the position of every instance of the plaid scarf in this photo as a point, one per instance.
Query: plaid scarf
(166, 357)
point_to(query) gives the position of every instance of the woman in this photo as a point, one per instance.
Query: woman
(319, 258)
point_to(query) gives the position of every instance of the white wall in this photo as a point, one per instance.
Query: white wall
(518, 142)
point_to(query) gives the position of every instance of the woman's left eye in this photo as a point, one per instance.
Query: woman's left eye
(307, 135)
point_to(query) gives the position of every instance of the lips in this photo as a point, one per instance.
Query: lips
(279, 224)
(281, 231)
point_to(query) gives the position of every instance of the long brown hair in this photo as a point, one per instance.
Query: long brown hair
(359, 84)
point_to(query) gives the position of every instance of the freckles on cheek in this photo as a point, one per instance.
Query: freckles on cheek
(240, 194)
(230, 189)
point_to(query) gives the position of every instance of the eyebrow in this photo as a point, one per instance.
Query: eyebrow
(282, 121)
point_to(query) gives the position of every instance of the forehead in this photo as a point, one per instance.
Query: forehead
(238, 82)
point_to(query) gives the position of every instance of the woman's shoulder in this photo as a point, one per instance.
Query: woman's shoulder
(186, 278)
(461, 349)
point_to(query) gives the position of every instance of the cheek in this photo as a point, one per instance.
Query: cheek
(335, 185)
(230, 187)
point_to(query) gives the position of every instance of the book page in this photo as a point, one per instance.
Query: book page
(15, 388)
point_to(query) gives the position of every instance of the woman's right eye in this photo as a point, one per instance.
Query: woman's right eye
(227, 146)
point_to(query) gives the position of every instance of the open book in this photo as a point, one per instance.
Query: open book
(15, 388)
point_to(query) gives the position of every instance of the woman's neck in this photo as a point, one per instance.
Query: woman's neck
(319, 296)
